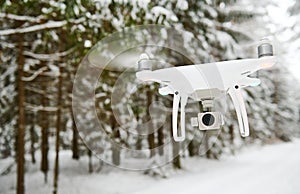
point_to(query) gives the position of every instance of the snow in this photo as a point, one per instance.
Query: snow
(20, 17)
(158, 11)
(273, 169)
(4, 163)
(269, 169)
(48, 25)
(143, 4)
(182, 5)
(38, 27)
(87, 44)
(36, 108)
(49, 57)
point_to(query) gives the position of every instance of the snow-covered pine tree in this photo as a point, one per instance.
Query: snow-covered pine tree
(214, 23)
(8, 94)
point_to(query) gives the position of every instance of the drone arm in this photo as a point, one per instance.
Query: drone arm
(238, 102)
(183, 101)
(249, 81)
(147, 75)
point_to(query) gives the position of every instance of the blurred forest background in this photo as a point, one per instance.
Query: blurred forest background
(42, 43)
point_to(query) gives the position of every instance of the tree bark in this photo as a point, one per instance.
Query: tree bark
(90, 161)
(192, 149)
(44, 143)
(151, 137)
(176, 148)
(21, 121)
(176, 161)
(160, 140)
(115, 148)
(32, 142)
(138, 144)
(160, 137)
(75, 149)
(58, 125)
(231, 132)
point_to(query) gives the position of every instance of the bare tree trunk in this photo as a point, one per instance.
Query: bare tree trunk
(138, 144)
(44, 143)
(21, 121)
(115, 148)
(176, 148)
(151, 138)
(32, 142)
(160, 140)
(176, 155)
(192, 148)
(58, 125)
(90, 161)
(32, 132)
(160, 137)
(75, 149)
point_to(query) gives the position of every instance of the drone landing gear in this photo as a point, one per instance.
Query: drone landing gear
(183, 100)
(238, 101)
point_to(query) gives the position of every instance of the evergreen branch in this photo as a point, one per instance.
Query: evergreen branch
(49, 57)
(36, 108)
(20, 17)
(34, 75)
(39, 27)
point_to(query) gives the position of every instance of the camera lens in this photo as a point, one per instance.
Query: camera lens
(208, 119)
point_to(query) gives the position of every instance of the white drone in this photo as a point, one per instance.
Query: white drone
(201, 82)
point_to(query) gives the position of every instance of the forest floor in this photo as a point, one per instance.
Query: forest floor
(270, 169)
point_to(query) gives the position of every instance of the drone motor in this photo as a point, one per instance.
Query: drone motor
(145, 64)
(265, 49)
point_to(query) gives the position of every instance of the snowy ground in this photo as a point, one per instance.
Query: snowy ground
(270, 169)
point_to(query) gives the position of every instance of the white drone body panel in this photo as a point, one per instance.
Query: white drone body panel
(226, 77)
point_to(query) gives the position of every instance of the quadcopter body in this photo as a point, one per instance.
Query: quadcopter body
(205, 82)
